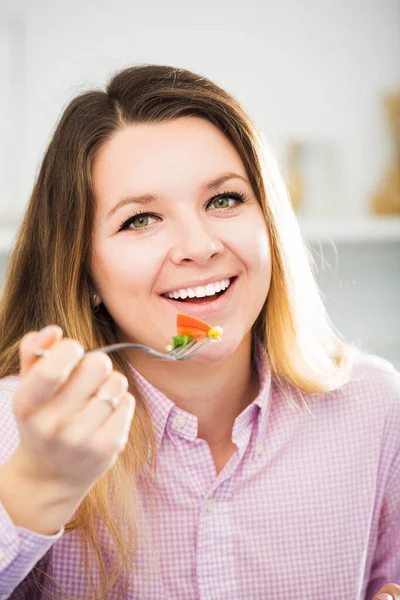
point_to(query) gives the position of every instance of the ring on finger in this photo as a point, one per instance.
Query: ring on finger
(108, 398)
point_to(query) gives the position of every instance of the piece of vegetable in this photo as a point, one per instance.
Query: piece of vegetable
(215, 332)
(189, 328)
(187, 325)
(181, 340)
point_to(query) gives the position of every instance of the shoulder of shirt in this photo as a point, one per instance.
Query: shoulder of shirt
(373, 386)
(376, 379)
(377, 384)
(9, 434)
(373, 369)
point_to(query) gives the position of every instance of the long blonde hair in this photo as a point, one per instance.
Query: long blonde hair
(47, 279)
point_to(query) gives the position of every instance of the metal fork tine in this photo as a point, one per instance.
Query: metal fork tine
(193, 350)
(183, 349)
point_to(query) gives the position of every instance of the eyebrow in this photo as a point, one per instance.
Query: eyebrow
(147, 198)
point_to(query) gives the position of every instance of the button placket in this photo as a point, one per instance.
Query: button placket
(259, 449)
(210, 505)
(179, 421)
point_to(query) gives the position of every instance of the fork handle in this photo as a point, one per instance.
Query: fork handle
(111, 348)
(105, 349)
(108, 349)
(125, 346)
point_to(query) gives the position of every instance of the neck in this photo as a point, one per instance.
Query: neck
(215, 393)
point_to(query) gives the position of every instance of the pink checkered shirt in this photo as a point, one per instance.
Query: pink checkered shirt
(307, 507)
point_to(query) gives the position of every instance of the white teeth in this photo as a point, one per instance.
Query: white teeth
(210, 289)
(200, 291)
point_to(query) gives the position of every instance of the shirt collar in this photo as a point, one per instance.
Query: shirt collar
(160, 407)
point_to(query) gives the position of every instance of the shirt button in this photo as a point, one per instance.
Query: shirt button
(210, 505)
(179, 421)
(259, 449)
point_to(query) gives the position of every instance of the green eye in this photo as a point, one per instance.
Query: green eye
(227, 201)
(221, 202)
(140, 221)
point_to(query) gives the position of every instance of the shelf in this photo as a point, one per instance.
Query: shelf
(354, 230)
(336, 229)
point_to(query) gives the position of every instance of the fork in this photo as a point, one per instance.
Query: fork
(179, 353)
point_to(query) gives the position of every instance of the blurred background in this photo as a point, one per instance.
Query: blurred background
(321, 79)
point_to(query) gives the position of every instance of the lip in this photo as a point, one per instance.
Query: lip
(197, 283)
(204, 311)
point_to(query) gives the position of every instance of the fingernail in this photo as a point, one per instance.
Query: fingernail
(384, 597)
(42, 333)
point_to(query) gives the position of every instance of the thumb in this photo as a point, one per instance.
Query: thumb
(34, 340)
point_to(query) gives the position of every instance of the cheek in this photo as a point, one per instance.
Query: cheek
(121, 270)
(260, 266)
(257, 250)
(263, 245)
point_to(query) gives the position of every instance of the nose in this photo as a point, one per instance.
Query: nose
(196, 242)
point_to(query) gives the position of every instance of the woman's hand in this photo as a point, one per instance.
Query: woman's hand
(69, 437)
(390, 591)
(66, 432)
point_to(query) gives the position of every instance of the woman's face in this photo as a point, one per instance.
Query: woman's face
(171, 218)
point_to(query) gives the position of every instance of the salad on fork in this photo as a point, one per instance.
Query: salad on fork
(189, 328)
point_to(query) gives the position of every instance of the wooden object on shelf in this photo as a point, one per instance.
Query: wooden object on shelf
(386, 200)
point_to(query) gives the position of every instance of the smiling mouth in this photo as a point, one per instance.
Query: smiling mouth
(204, 299)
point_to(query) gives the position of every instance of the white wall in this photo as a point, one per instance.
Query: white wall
(314, 70)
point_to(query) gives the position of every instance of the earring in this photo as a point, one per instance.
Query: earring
(94, 299)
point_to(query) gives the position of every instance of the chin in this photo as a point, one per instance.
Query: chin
(216, 352)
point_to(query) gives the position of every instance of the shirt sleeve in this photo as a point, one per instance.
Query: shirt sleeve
(386, 560)
(20, 548)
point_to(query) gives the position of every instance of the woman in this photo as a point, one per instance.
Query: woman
(267, 465)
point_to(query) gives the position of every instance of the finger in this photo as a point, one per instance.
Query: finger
(34, 340)
(93, 412)
(390, 591)
(91, 373)
(113, 434)
(47, 376)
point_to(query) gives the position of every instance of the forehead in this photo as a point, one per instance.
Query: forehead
(177, 155)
